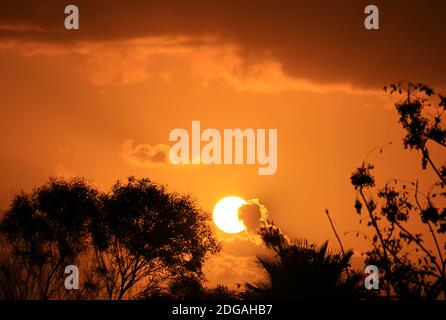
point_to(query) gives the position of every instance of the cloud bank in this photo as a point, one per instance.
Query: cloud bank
(321, 42)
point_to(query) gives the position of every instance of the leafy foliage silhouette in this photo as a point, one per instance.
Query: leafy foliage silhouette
(410, 269)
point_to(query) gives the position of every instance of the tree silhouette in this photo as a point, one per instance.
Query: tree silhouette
(410, 269)
(152, 237)
(132, 241)
(46, 231)
(300, 270)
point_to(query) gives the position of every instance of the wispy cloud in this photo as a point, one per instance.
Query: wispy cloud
(62, 172)
(144, 155)
(20, 27)
(156, 59)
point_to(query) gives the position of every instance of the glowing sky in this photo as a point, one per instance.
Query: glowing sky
(100, 102)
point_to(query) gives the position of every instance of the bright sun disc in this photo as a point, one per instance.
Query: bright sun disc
(226, 214)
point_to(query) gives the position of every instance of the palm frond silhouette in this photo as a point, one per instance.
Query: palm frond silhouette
(305, 271)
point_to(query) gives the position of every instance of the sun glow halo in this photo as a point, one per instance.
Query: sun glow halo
(226, 214)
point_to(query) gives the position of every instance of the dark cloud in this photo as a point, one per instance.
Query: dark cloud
(254, 215)
(317, 40)
(250, 215)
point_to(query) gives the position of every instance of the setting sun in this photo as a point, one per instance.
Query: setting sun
(226, 214)
(211, 158)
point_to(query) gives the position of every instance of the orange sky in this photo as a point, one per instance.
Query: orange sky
(80, 102)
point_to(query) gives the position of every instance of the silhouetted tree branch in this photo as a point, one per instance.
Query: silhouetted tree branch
(421, 116)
